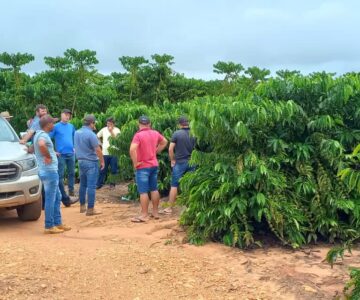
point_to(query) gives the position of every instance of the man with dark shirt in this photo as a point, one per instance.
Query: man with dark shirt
(180, 149)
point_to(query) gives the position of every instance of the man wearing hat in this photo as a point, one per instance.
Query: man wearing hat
(48, 173)
(88, 153)
(143, 149)
(63, 134)
(6, 115)
(180, 149)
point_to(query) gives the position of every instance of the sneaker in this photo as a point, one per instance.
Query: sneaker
(92, 212)
(82, 208)
(64, 227)
(98, 187)
(71, 193)
(53, 230)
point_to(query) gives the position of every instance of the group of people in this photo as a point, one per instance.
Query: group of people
(94, 158)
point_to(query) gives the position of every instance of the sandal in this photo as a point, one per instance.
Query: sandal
(165, 212)
(138, 220)
(152, 216)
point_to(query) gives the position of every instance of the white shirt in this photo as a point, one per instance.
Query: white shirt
(105, 135)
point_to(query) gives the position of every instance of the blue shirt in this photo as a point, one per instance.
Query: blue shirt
(44, 168)
(63, 133)
(86, 142)
(35, 125)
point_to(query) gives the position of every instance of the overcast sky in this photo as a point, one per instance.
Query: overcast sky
(307, 35)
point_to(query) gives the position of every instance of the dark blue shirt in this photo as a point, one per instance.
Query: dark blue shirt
(86, 142)
(63, 134)
(184, 145)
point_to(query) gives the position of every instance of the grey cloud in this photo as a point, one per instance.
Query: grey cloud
(309, 35)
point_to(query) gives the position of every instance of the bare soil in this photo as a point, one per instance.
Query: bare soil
(108, 257)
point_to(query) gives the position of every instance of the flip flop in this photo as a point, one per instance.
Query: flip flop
(138, 220)
(152, 216)
(165, 212)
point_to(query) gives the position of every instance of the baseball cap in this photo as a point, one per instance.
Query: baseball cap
(89, 119)
(144, 120)
(47, 119)
(183, 121)
(66, 111)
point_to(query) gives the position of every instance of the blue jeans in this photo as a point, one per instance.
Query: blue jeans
(178, 171)
(67, 160)
(146, 180)
(50, 181)
(89, 171)
(109, 161)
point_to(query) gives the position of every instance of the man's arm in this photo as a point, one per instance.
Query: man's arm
(27, 136)
(172, 154)
(133, 154)
(100, 156)
(44, 151)
(161, 145)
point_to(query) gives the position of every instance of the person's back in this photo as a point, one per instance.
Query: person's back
(88, 153)
(148, 141)
(184, 144)
(85, 142)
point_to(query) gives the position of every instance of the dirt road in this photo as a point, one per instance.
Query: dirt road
(108, 257)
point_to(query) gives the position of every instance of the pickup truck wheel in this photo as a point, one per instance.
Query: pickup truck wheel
(30, 212)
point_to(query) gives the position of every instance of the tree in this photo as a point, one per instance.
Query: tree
(132, 65)
(162, 72)
(285, 74)
(83, 64)
(256, 74)
(229, 69)
(14, 63)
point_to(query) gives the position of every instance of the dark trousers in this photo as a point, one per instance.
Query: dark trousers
(109, 161)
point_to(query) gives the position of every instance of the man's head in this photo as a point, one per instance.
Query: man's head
(89, 121)
(41, 110)
(183, 122)
(110, 122)
(66, 115)
(144, 122)
(47, 123)
(6, 115)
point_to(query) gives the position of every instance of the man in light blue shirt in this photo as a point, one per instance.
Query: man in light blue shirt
(63, 134)
(40, 110)
(88, 153)
(48, 173)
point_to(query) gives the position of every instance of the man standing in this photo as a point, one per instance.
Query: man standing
(143, 149)
(40, 110)
(63, 134)
(48, 173)
(180, 149)
(6, 116)
(88, 153)
(110, 131)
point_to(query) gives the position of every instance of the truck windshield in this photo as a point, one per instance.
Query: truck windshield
(6, 133)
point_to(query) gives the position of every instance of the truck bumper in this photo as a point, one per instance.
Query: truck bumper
(25, 190)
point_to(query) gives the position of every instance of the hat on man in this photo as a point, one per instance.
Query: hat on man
(66, 111)
(183, 121)
(47, 119)
(6, 115)
(89, 119)
(144, 120)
